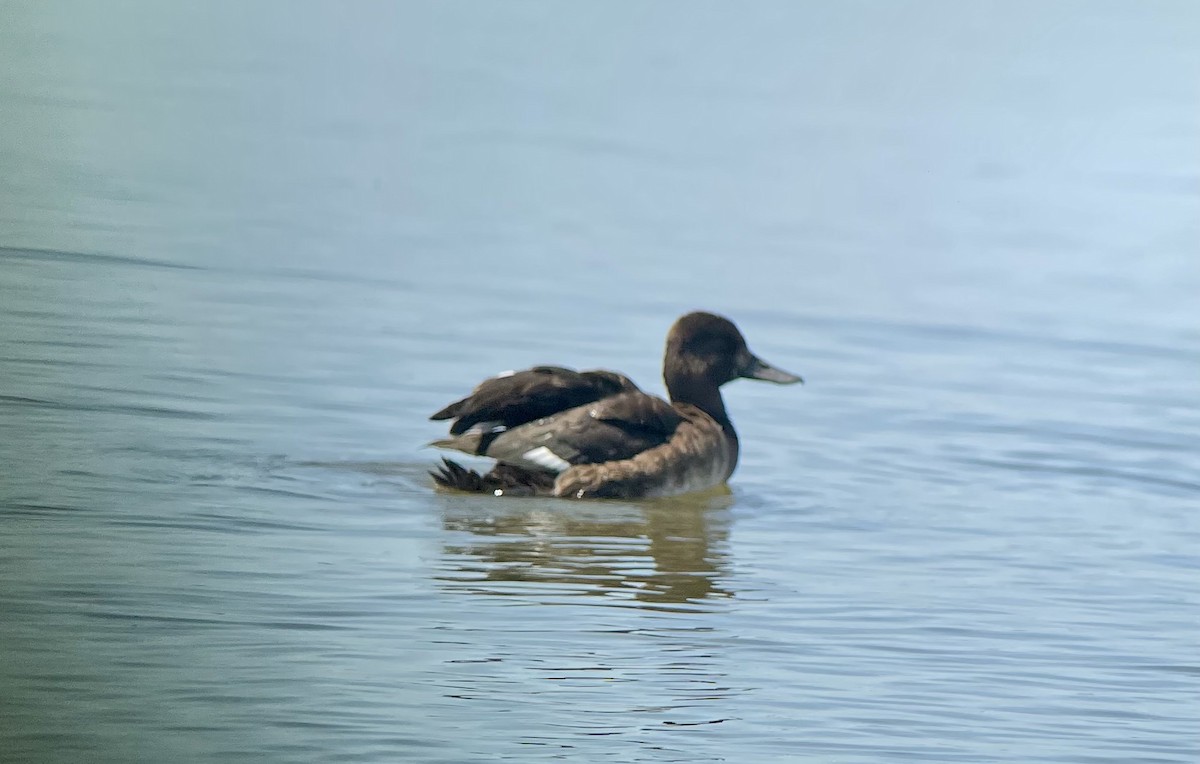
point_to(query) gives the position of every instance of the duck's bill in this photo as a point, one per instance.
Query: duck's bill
(760, 369)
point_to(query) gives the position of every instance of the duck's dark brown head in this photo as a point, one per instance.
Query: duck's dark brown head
(704, 351)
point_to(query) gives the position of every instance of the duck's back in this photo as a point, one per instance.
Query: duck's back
(611, 429)
(516, 398)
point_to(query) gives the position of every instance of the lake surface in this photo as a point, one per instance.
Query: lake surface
(247, 249)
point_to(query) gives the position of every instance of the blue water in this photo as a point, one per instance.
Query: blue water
(246, 250)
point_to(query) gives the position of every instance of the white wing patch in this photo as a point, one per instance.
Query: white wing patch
(544, 457)
(484, 427)
(504, 374)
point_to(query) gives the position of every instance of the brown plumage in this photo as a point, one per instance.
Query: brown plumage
(554, 431)
(522, 396)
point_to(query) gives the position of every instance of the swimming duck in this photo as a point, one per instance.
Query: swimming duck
(593, 434)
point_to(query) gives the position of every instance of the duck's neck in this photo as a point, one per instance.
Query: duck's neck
(702, 394)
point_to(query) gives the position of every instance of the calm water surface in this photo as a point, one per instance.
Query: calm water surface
(247, 249)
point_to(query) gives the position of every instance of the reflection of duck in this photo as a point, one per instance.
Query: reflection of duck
(558, 432)
(663, 553)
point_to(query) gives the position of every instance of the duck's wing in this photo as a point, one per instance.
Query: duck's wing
(514, 398)
(610, 429)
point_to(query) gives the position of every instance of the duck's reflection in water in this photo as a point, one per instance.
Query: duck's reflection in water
(669, 554)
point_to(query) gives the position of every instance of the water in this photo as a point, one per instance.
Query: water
(246, 250)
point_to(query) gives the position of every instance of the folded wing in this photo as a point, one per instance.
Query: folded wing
(516, 398)
(610, 429)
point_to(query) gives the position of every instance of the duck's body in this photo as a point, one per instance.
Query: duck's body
(594, 434)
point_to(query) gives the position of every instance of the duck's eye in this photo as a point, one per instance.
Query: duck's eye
(715, 345)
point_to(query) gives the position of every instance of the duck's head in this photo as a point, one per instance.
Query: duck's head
(704, 349)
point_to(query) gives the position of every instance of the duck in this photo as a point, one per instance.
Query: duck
(554, 431)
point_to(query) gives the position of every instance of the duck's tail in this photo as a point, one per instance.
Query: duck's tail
(476, 441)
(503, 480)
